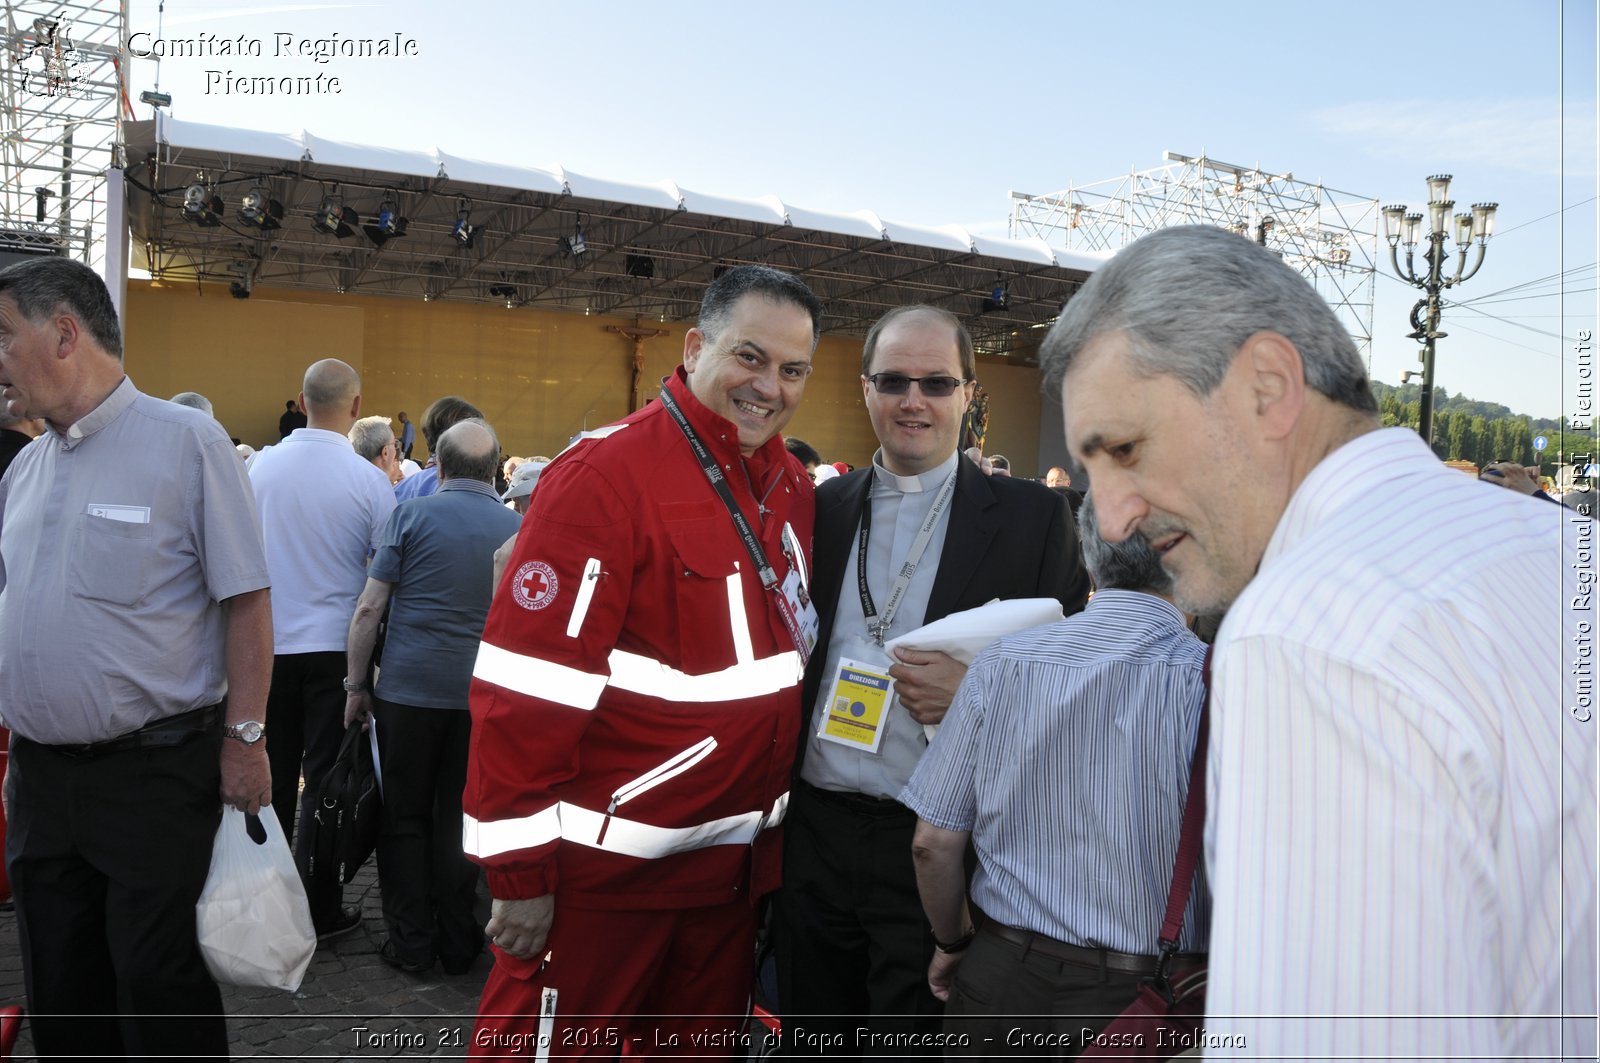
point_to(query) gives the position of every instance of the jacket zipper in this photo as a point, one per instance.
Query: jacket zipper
(672, 768)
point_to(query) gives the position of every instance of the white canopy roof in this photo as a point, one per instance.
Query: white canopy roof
(651, 248)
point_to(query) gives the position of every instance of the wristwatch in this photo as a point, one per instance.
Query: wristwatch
(353, 687)
(247, 731)
(959, 944)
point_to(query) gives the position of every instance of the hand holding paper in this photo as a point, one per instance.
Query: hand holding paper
(925, 681)
(959, 637)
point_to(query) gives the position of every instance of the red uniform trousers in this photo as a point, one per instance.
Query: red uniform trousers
(630, 984)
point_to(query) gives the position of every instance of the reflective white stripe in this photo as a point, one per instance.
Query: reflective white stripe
(641, 675)
(580, 608)
(574, 823)
(496, 836)
(537, 678)
(743, 651)
(628, 837)
(659, 774)
(598, 433)
(780, 808)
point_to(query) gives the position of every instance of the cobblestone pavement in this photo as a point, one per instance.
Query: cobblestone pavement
(351, 1004)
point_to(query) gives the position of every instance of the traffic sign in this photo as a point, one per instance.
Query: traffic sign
(1540, 442)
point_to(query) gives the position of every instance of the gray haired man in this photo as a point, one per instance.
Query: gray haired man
(133, 601)
(1401, 823)
(1067, 746)
(432, 573)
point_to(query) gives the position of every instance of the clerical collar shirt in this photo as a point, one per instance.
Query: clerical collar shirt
(1066, 755)
(899, 504)
(1402, 790)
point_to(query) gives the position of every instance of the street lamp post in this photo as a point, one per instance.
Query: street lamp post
(1400, 227)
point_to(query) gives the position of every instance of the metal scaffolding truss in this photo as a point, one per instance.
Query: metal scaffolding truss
(1330, 237)
(61, 126)
(649, 250)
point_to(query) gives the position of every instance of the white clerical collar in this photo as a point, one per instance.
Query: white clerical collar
(910, 485)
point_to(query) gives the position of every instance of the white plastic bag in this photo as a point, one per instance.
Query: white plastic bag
(255, 925)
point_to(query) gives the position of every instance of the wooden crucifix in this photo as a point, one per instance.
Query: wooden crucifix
(638, 334)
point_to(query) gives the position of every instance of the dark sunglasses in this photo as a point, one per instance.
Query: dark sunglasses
(934, 387)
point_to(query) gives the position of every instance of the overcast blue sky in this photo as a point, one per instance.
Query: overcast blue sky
(932, 112)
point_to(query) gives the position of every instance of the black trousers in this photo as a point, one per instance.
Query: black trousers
(305, 723)
(108, 856)
(1007, 994)
(429, 885)
(849, 934)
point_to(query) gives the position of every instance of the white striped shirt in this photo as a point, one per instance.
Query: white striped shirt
(1402, 808)
(1066, 755)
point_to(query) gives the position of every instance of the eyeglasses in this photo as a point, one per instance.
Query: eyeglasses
(934, 387)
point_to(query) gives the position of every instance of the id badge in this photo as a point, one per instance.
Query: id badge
(859, 697)
(802, 609)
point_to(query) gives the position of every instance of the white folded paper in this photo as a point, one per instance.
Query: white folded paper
(963, 635)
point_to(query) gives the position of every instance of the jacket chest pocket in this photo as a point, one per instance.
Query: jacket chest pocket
(708, 593)
(111, 559)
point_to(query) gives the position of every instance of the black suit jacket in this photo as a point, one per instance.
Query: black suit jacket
(1007, 538)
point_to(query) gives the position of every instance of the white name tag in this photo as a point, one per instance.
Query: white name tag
(804, 613)
(125, 514)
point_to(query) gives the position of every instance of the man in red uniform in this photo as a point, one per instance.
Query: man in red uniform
(636, 699)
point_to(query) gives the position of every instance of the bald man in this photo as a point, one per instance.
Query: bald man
(323, 509)
(433, 572)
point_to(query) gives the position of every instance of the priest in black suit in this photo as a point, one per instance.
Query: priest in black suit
(920, 534)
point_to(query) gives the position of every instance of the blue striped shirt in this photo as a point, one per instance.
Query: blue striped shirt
(1066, 755)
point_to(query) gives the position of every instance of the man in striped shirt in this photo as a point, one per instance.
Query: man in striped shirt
(1401, 801)
(1065, 759)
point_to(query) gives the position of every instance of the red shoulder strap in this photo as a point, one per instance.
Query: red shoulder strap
(1194, 816)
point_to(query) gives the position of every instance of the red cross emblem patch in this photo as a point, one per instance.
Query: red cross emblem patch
(534, 585)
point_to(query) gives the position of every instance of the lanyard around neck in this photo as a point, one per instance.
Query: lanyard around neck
(878, 626)
(719, 484)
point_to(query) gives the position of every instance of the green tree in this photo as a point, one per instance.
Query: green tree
(1521, 441)
(1504, 445)
(1389, 409)
(1480, 442)
(1456, 437)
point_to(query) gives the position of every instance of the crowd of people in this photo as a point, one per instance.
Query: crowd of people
(666, 693)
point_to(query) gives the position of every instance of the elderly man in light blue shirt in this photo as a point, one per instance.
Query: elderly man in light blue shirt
(1065, 760)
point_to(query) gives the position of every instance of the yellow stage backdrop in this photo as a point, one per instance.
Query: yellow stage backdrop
(539, 376)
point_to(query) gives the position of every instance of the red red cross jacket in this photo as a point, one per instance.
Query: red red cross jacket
(636, 695)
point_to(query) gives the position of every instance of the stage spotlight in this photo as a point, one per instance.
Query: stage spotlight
(259, 210)
(999, 298)
(575, 245)
(464, 232)
(334, 218)
(388, 225)
(240, 289)
(202, 206)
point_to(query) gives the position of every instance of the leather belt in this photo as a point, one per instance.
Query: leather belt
(1127, 962)
(860, 804)
(165, 732)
